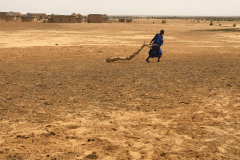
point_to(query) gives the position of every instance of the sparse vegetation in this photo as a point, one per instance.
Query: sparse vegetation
(164, 21)
(234, 25)
(222, 30)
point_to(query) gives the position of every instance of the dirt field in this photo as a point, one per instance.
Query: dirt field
(59, 99)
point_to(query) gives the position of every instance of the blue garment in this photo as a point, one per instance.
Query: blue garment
(156, 50)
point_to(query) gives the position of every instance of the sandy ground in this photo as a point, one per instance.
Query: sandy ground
(59, 99)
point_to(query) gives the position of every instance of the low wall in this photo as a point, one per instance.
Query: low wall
(64, 19)
(2, 15)
(12, 18)
(29, 19)
(129, 21)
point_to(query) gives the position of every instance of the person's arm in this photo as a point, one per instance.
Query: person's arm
(153, 38)
(161, 40)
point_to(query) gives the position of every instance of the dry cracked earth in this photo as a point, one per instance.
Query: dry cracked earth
(59, 99)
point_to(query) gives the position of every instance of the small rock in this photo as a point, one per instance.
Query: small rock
(47, 103)
(38, 84)
(92, 156)
(163, 154)
(52, 133)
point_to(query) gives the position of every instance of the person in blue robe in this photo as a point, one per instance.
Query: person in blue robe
(156, 50)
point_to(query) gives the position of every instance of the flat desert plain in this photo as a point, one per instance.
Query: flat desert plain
(59, 99)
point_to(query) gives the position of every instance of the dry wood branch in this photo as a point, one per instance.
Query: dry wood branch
(112, 59)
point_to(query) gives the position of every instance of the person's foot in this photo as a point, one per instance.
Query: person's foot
(147, 60)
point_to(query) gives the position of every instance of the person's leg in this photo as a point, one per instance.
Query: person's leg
(159, 58)
(147, 59)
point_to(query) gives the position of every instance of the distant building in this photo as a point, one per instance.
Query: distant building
(62, 19)
(95, 18)
(122, 20)
(3, 15)
(126, 19)
(10, 16)
(39, 16)
(73, 18)
(105, 18)
(79, 18)
(28, 18)
(50, 20)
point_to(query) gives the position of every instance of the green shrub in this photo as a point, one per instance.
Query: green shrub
(234, 25)
(220, 24)
(211, 23)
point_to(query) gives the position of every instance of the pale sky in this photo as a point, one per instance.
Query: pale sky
(125, 7)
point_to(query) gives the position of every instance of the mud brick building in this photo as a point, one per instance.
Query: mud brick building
(29, 18)
(10, 16)
(63, 19)
(39, 16)
(95, 18)
(127, 20)
(122, 20)
(105, 18)
(3, 15)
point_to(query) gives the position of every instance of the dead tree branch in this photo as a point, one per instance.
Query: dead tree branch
(112, 59)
